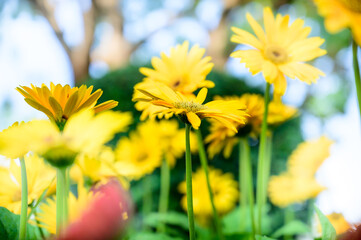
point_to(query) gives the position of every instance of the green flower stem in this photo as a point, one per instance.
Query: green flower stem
(267, 168)
(356, 69)
(243, 185)
(192, 235)
(204, 162)
(245, 161)
(261, 161)
(164, 191)
(24, 200)
(66, 194)
(60, 196)
(289, 216)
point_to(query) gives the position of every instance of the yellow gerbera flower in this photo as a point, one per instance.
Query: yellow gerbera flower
(138, 155)
(279, 113)
(224, 188)
(39, 175)
(169, 137)
(340, 14)
(60, 102)
(191, 110)
(279, 51)
(83, 133)
(221, 137)
(183, 71)
(308, 157)
(77, 205)
(286, 189)
(298, 183)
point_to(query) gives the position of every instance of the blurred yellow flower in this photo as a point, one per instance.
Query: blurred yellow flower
(183, 71)
(83, 133)
(169, 137)
(191, 110)
(341, 14)
(308, 157)
(224, 188)
(279, 51)
(40, 176)
(138, 155)
(298, 183)
(59, 102)
(77, 205)
(287, 189)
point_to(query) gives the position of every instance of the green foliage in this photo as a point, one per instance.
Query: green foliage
(169, 218)
(258, 237)
(152, 236)
(328, 231)
(292, 228)
(9, 226)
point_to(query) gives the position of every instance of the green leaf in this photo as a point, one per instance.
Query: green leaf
(172, 218)
(292, 228)
(328, 231)
(233, 223)
(258, 237)
(9, 226)
(152, 236)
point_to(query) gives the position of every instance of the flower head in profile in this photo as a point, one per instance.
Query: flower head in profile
(341, 14)
(280, 50)
(225, 193)
(40, 177)
(84, 132)
(298, 183)
(191, 110)
(183, 70)
(59, 102)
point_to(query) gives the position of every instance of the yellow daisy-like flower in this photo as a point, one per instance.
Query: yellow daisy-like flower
(308, 157)
(191, 110)
(279, 113)
(138, 155)
(221, 137)
(169, 136)
(60, 102)
(224, 189)
(286, 189)
(340, 14)
(83, 133)
(40, 176)
(298, 183)
(339, 222)
(77, 205)
(280, 50)
(183, 71)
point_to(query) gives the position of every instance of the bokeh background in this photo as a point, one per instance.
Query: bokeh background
(103, 42)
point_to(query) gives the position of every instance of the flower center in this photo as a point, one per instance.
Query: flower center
(353, 5)
(190, 106)
(276, 54)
